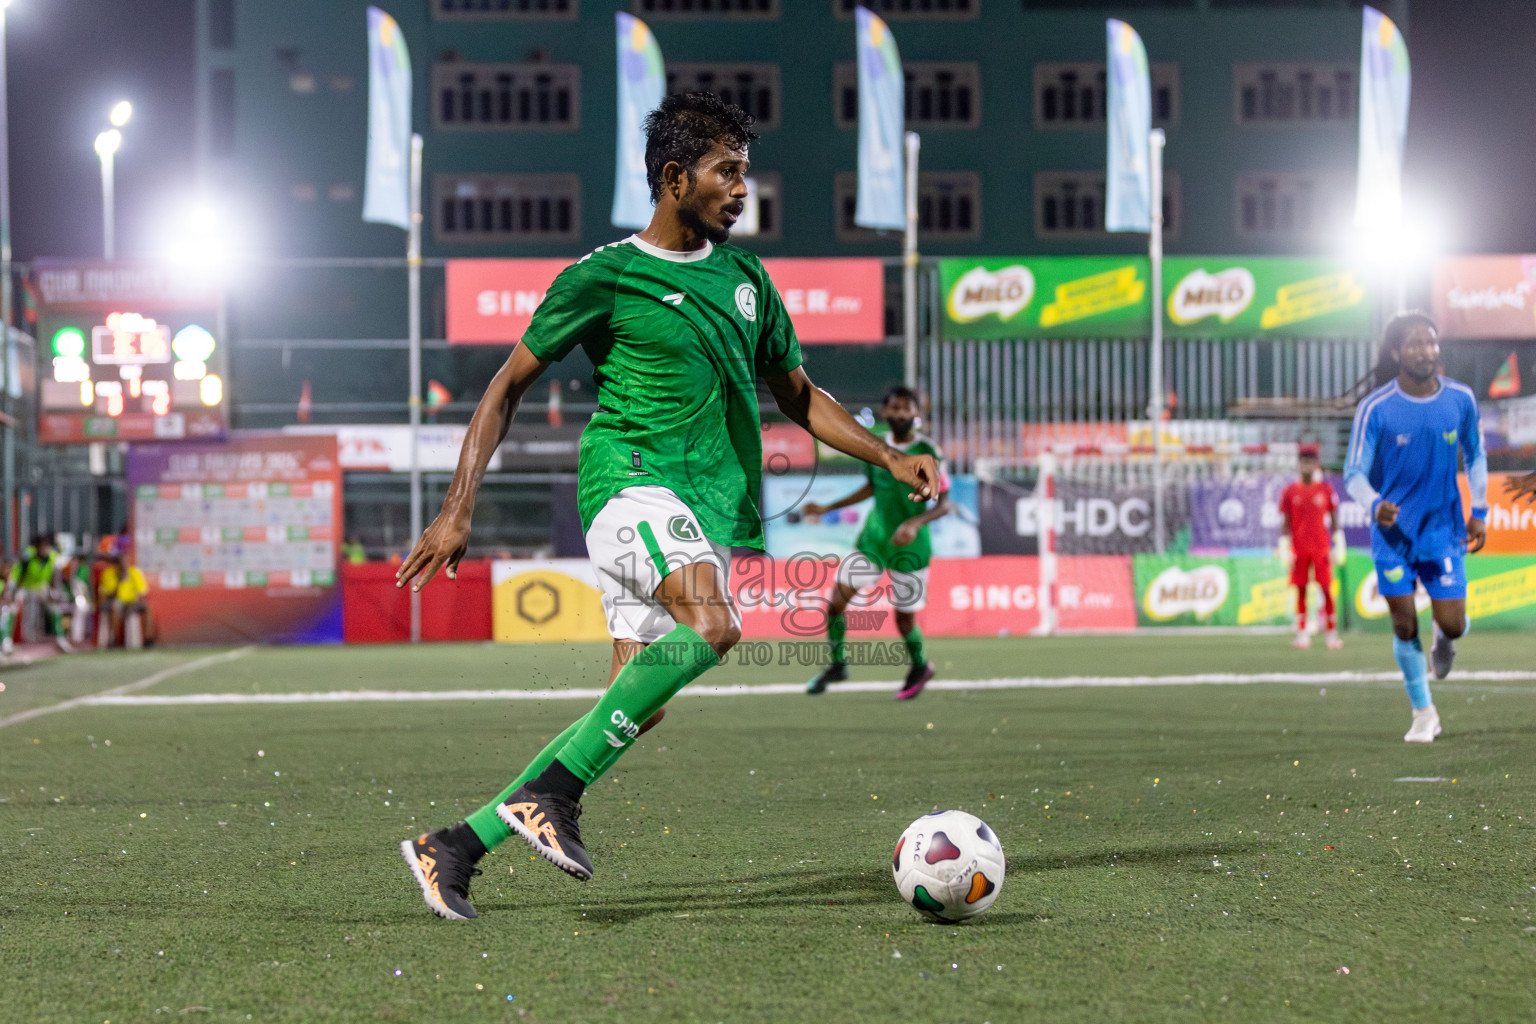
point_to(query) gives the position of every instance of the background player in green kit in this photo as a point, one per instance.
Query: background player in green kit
(679, 327)
(894, 542)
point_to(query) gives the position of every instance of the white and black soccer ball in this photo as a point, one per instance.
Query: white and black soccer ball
(949, 865)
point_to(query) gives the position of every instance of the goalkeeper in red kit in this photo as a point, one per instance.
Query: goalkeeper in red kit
(1311, 516)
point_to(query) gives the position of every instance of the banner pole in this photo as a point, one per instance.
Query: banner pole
(909, 265)
(1155, 406)
(413, 278)
(1045, 531)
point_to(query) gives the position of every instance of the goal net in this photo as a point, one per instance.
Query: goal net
(1126, 500)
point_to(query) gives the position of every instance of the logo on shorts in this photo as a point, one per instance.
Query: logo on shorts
(683, 528)
(746, 300)
(1393, 575)
(1447, 581)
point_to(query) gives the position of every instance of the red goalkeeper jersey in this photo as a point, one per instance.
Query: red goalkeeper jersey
(1306, 507)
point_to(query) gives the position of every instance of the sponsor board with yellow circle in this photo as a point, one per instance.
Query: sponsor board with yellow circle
(1501, 592)
(546, 600)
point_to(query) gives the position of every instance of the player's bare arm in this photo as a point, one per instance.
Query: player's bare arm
(907, 531)
(818, 412)
(1386, 514)
(444, 542)
(1523, 486)
(811, 509)
(1477, 535)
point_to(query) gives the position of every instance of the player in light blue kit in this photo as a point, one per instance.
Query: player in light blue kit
(1402, 466)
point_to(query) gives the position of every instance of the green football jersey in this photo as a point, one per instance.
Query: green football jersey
(892, 508)
(678, 341)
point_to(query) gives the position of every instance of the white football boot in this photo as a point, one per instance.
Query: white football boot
(1426, 726)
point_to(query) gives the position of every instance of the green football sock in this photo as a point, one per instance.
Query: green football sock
(491, 829)
(914, 642)
(642, 687)
(837, 629)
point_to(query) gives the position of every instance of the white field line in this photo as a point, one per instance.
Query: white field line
(117, 699)
(122, 692)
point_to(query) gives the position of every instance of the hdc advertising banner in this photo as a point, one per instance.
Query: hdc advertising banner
(835, 301)
(238, 540)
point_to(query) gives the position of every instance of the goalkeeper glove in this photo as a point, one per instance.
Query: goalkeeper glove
(1283, 548)
(1339, 551)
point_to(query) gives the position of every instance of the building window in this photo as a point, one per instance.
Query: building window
(911, 10)
(770, 210)
(1070, 204)
(503, 10)
(752, 87)
(221, 112)
(939, 94)
(504, 97)
(1072, 95)
(1288, 205)
(506, 207)
(221, 24)
(948, 206)
(1294, 93)
(756, 10)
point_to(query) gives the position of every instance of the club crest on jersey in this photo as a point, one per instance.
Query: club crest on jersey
(1450, 436)
(746, 300)
(682, 528)
(1402, 439)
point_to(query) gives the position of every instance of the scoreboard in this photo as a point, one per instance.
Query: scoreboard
(116, 369)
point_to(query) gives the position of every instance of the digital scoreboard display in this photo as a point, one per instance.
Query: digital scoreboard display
(127, 375)
(128, 352)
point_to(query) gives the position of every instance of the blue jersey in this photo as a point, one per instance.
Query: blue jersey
(1403, 450)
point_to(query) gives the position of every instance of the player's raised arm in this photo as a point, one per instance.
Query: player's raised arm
(444, 542)
(811, 509)
(819, 413)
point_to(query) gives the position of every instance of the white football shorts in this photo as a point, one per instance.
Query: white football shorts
(641, 535)
(908, 590)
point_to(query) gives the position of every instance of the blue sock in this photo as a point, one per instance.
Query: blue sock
(1410, 658)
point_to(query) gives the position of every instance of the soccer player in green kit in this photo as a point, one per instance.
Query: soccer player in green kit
(894, 541)
(680, 327)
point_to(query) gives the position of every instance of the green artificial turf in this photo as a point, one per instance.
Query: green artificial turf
(1175, 853)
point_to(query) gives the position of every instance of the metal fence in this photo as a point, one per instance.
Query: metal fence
(983, 394)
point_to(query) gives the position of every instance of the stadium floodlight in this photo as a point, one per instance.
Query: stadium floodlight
(204, 239)
(108, 143)
(1399, 252)
(122, 113)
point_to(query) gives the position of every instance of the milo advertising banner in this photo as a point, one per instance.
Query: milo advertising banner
(1251, 297)
(1046, 297)
(1501, 593)
(1181, 590)
(1110, 297)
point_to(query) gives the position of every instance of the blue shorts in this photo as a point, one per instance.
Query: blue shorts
(1445, 579)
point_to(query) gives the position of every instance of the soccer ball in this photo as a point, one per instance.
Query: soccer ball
(949, 865)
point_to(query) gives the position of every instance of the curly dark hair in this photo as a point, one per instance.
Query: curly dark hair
(685, 127)
(901, 391)
(1392, 337)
